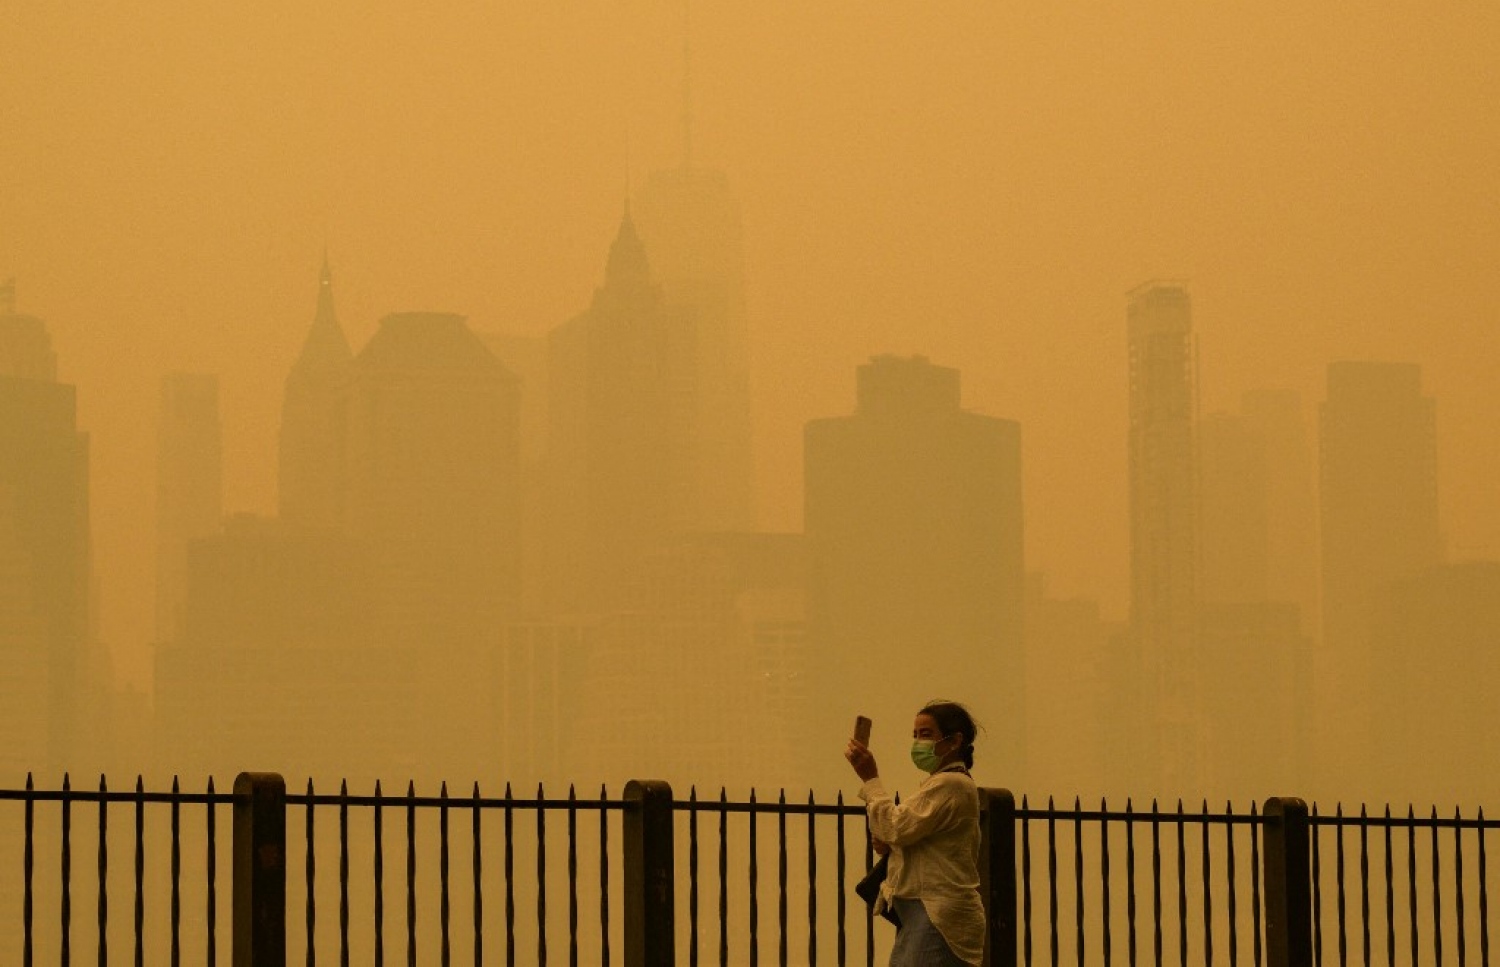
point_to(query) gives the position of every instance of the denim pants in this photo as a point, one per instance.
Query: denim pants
(918, 943)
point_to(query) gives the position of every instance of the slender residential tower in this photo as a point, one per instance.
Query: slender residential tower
(1163, 522)
(46, 672)
(311, 445)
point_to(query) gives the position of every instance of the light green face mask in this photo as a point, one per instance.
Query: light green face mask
(924, 755)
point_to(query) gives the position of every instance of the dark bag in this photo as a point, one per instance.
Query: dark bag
(868, 888)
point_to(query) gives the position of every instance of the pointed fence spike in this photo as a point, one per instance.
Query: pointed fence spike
(140, 785)
(309, 785)
(411, 788)
(174, 785)
(377, 788)
(102, 786)
(443, 790)
(344, 787)
(28, 782)
(210, 785)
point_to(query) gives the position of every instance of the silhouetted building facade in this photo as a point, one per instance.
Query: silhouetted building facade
(1379, 516)
(432, 484)
(1432, 641)
(1164, 527)
(49, 674)
(690, 223)
(915, 572)
(622, 445)
(310, 468)
(189, 486)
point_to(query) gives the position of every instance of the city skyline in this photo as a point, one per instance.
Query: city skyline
(979, 184)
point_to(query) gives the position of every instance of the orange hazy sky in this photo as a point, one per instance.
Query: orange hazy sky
(976, 181)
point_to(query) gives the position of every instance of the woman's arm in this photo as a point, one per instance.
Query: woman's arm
(931, 809)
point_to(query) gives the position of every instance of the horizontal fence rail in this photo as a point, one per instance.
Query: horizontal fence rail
(647, 878)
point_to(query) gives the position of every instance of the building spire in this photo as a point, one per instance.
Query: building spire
(687, 86)
(326, 346)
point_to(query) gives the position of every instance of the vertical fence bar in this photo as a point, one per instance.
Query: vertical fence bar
(444, 903)
(1338, 854)
(1364, 882)
(1026, 877)
(1317, 891)
(212, 913)
(140, 871)
(603, 880)
(723, 878)
(311, 867)
(1255, 904)
(411, 873)
(379, 877)
(869, 857)
(1390, 894)
(997, 875)
(1052, 876)
(479, 879)
(103, 875)
(1484, 897)
(510, 882)
(1078, 905)
(1437, 894)
(541, 880)
(176, 911)
(1104, 915)
(573, 876)
(1234, 948)
(1156, 935)
(812, 885)
(26, 867)
(649, 900)
(1182, 939)
(693, 876)
(754, 887)
(65, 904)
(1288, 905)
(259, 870)
(1458, 885)
(343, 873)
(781, 864)
(1208, 891)
(1411, 878)
(1130, 910)
(841, 867)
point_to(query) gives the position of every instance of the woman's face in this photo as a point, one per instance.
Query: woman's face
(925, 728)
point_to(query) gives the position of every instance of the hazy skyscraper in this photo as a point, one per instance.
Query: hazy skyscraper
(189, 486)
(1379, 513)
(1163, 518)
(622, 444)
(431, 442)
(1234, 483)
(311, 445)
(46, 687)
(1277, 420)
(690, 222)
(914, 541)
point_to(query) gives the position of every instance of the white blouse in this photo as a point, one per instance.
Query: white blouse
(934, 837)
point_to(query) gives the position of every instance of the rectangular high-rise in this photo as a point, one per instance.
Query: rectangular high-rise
(914, 541)
(1163, 521)
(1379, 517)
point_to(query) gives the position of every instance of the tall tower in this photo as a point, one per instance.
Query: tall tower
(189, 486)
(690, 223)
(622, 443)
(46, 674)
(1379, 512)
(914, 542)
(1163, 519)
(311, 449)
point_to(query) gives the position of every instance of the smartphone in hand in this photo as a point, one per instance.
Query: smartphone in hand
(862, 730)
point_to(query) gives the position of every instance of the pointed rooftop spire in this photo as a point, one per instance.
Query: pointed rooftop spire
(326, 347)
(627, 254)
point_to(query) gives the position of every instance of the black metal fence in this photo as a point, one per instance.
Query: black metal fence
(649, 879)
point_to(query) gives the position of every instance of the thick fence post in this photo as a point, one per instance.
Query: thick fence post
(259, 870)
(997, 875)
(1288, 884)
(650, 938)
